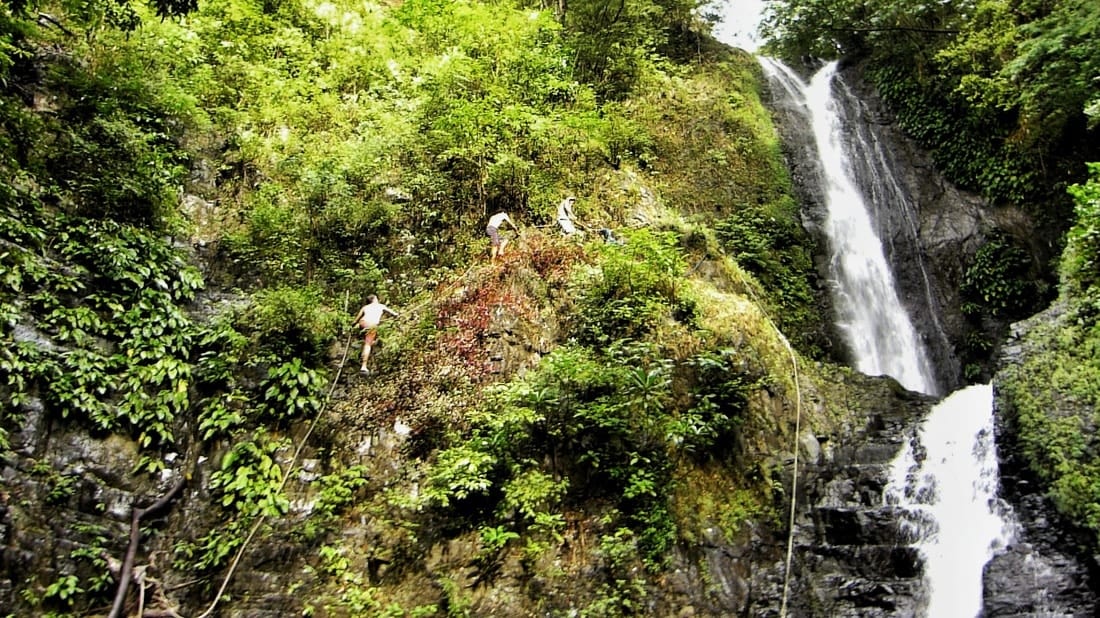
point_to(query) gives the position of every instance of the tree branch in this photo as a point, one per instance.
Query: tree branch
(125, 574)
(46, 17)
(897, 29)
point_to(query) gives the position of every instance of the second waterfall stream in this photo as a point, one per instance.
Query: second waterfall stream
(946, 479)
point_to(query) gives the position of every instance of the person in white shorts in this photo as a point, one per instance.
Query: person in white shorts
(368, 318)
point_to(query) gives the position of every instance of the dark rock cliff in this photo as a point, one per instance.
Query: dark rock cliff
(855, 561)
(929, 228)
(851, 558)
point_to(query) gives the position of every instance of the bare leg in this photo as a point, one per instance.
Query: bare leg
(503, 244)
(366, 353)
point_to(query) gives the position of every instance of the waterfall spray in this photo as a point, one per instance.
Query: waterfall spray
(949, 491)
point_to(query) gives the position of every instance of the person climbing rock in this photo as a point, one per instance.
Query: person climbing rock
(566, 216)
(368, 318)
(497, 243)
(609, 237)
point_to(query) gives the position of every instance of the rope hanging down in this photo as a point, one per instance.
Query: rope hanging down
(286, 477)
(794, 476)
(297, 452)
(797, 431)
(347, 346)
(301, 445)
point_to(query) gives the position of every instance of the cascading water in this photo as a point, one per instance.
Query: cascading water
(949, 493)
(946, 479)
(878, 330)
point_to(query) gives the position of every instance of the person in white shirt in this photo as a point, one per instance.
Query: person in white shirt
(566, 216)
(497, 243)
(368, 318)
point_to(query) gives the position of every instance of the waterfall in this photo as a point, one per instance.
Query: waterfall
(869, 313)
(949, 492)
(946, 478)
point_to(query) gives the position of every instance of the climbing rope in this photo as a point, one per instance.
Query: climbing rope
(286, 477)
(797, 431)
(298, 451)
(794, 476)
(301, 445)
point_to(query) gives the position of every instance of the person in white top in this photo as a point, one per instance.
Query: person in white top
(566, 216)
(497, 243)
(368, 318)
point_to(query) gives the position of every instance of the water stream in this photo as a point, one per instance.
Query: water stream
(878, 331)
(947, 477)
(949, 490)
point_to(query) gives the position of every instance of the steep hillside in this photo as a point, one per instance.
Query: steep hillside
(193, 210)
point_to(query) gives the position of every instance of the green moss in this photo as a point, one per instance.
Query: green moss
(1054, 394)
(358, 151)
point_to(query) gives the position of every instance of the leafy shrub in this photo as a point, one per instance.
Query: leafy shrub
(460, 472)
(624, 593)
(634, 288)
(272, 246)
(293, 322)
(336, 492)
(1081, 259)
(532, 492)
(601, 418)
(719, 401)
(114, 147)
(776, 250)
(999, 280)
(493, 540)
(1053, 394)
(250, 479)
(291, 390)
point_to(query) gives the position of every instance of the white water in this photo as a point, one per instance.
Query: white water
(950, 490)
(869, 314)
(952, 497)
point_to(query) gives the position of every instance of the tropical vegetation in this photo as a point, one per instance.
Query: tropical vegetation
(193, 196)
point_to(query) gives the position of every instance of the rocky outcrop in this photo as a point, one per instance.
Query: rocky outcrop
(66, 504)
(855, 560)
(1047, 571)
(852, 557)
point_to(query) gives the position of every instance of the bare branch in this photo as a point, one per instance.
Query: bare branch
(897, 29)
(126, 573)
(47, 18)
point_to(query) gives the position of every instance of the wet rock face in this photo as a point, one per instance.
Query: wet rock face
(1037, 580)
(930, 233)
(62, 491)
(851, 555)
(930, 229)
(1047, 571)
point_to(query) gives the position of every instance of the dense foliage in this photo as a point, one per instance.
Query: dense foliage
(995, 89)
(1054, 394)
(317, 152)
(321, 151)
(999, 92)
